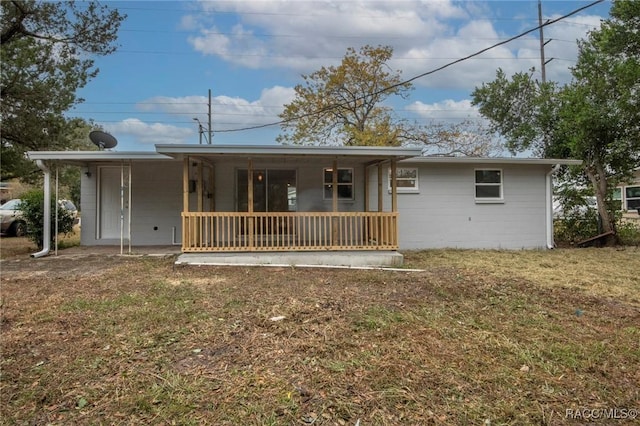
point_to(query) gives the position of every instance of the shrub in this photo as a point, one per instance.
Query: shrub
(32, 207)
(576, 226)
(629, 233)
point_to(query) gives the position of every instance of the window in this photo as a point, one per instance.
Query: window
(633, 197)
(488, 185)
(273, 190)
(406, 179)
(616, 199)
(345, 184)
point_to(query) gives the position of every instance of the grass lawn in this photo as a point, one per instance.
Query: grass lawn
(478, 337)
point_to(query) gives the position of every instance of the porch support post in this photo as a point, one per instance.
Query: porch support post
(186, 240)
(380, 200)
(334, 185)
(212, 188)
(250, 202)
(130, 208)
(199, 187)
(394, 203)
(366, 188)
(185, 184)
(394, 187)
(334, 197)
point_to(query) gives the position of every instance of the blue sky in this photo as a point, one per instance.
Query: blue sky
(252, 53)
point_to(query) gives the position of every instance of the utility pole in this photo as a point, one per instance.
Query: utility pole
(543, 62)
(210, 128)
(209, 139)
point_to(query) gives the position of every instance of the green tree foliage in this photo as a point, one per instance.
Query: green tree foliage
(595, 118)
(46, 50)
(341, 105)
(32, 207)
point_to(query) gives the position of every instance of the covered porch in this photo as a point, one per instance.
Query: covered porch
(269, 213)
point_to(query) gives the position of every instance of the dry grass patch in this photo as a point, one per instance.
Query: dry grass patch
(143, 341)
(13, 247)
(600, 272)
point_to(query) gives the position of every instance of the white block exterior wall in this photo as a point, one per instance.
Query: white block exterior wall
(156, 204)
(445, 214)
(157, 198)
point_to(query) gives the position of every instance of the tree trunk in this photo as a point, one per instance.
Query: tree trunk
(598, 180)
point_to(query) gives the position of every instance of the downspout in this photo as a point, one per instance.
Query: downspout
(46, 232)
(549, 204)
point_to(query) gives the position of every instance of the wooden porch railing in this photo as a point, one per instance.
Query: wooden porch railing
(258, 231)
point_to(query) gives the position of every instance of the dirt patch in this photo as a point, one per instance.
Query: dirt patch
(67, 266)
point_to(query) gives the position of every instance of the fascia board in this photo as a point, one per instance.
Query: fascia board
(493, 160)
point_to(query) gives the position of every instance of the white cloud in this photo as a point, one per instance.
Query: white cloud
(304, 35)
(154, 133)
(227, 112)
(445, 110)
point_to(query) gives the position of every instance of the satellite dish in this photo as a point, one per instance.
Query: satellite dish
(102, 140)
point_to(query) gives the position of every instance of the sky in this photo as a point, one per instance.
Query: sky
(251, 55)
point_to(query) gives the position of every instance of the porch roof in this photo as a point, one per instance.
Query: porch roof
(84, 157)
(365, 153)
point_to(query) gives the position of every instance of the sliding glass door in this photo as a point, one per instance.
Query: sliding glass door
(273, 190)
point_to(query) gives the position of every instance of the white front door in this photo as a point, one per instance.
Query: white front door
(114, 202)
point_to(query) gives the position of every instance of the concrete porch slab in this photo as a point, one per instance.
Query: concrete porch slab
(343, 259)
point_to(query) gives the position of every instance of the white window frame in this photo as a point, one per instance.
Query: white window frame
(627, 198)
(405, 189)
(488, 200)
(329, 184)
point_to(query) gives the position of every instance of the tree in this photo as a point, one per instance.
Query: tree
(469, 138)
(46, 49)
(595, 118)
(341, 105)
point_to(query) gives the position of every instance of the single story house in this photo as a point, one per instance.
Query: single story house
(628, 195)
(244, 198)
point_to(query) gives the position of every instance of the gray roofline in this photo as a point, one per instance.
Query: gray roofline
(90, 156)
(280, 150)
(494, 160)
(168, 151)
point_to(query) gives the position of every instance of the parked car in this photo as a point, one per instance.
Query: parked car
(11, 221)
(71, 208)
(589, 204)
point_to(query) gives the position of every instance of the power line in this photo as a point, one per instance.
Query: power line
(255, 55)
(433, 71)
(201, 11)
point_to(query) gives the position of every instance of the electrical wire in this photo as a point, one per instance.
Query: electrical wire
(433, 71)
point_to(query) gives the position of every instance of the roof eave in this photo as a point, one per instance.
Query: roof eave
(286, 150)
(83, 157)
(495, 160)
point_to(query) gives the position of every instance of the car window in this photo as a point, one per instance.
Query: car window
(11, 205)
(68, 205)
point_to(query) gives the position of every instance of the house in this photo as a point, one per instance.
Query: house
(274, 198)
(628, 195)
